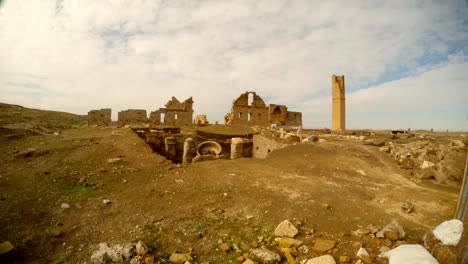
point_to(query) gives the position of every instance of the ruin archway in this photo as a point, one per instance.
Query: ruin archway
(276, 115)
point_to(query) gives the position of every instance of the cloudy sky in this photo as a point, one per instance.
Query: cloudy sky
(405, 62)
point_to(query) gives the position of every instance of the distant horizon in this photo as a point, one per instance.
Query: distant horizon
(76, 56)
(114, 119)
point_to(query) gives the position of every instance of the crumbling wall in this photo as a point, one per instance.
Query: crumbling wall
(255, 114)
(99, 117)
(175, 113)
(263, 145)
(200, 120)
(258, 114)
(132, 116)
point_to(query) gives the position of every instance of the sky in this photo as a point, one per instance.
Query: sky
(405, 62)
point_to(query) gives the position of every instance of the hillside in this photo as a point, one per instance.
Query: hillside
(17, 121)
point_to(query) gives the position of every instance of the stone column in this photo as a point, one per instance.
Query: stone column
(190, 150)
(170, 148)
(236, 148)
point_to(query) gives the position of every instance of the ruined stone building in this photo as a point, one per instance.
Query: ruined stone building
(338, 103)
(201, 120)
(174, 114)
(250, 109)
(99, 117)
(132, 116)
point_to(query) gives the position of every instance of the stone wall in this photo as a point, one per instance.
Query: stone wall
(175, 113)
(263, 145)
(99, 117)
(256, 113)
(200, 120)
(132, 116)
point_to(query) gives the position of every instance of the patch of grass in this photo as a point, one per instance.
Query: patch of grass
(81, 191)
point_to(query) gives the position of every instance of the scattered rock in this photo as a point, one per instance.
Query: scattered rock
(141, 248)
(225, 247)
(411, 254)
(286, 229)
(457, 144)
(116, 253)
(114, 160)
(384, 249)
(385, 149)
(310, 139)
(265, 256)
(180, 257)
(325, 259)
(427, 164)
(6, 247)
(372, 228)
(393, 231)
(361, 232)
(55, 232)
(407, 207)
(106, 201)
(249, 261)
(449, 232)
(363, 173)
(321, 140)
(325, 206)
(363, 255)
(323, 245)
(362, 252)
(65, 206)
(344, 259)
(287, 242)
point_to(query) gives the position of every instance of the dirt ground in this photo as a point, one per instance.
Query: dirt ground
(192, 207)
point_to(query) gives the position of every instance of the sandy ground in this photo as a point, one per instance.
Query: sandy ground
(193, 207)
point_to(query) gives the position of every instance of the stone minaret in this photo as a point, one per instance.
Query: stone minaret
(338, 103)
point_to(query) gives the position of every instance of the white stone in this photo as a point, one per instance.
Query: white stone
(363, 173)
(114, 160)
(106, 201)
(325, 259)
(286, 229)
(449, 232)
(427, 164)
(409, 254)
(321, 140)
(65, 206)
(362, 252)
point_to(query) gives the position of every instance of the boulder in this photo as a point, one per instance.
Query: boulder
(393, 231)
(265, 256)
(286, 229)
(449, 232)
(323, 245)
(409, 254)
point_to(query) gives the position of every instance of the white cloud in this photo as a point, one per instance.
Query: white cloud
(137, 54)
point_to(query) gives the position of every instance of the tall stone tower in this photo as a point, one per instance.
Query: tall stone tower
(338, 103)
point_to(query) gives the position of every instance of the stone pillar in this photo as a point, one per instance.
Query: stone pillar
(190, 150)
(170, 148)
(338, 103)
(237, 147)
